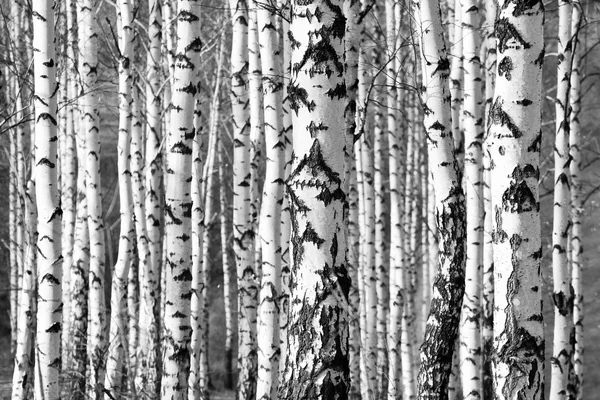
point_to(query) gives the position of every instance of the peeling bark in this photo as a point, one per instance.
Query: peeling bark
(317, 357)
(448, 288)
(513, 146)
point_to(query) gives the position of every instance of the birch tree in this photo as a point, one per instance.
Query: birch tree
(576, 203)
(317, 355)
(470, 329)
(22, 377)
(272, 198)
(514, 146)
(561, 361)
(151, 209)
(487, 292)
(117, 344)
(49, 257)
(178, 207)
(243, 227)
(442, 323)
(88, 68)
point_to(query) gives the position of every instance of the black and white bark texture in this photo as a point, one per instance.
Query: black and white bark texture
(317, 355)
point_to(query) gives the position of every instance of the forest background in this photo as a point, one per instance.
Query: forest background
(217, 23)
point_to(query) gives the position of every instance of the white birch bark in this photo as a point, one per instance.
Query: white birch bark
(562, 296)
(79, 286)
(226, 267)
(270, 216)
(396, 252)
(147, 356)
(69, 176)
(456, 81)
(470, 329)
(365, 169)
(442, 322)
(317, 356)
(577, 210)
(243, 227)
(379, 159)
(487, 293)
(49, 257)
(88, 64)
(178, 207)
(514, 145)
(22, 378)
(151, 210)
(117, 344)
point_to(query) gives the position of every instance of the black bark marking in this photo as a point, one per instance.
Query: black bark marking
(497, 116)
(505, 31)
(505, 67)
(51, 279)
(298, 97)
(54, 328)
(181, 148)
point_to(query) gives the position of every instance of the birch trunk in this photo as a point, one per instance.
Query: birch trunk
(227, 306)
(379, 159)
(178, 207)
(514, 145)
(456, 81)
(561, 361)
(88, 62)
(117, 343)
(487, 295)
(446, 298)
(396, 252)
(576, 204)
(79, 285)
(147, 356)
(317, 357)
(366, 169)
(470, 329)
(270, 216)
(150, 207)
(49, 257)
(243, 227)
(22, 378)
(69, 176)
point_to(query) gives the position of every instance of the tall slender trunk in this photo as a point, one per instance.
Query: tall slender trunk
(446, 298)
(79, 285)
(88, 64)
(470, 327)
(151, 208)
(317, 358)
(117, 340)
(457, 80)
(562, 296)
(243, 228)
(514, 146)
(178, 207)
(147, 356)
(69, 176)
(576, 205)
(396, 252)
(380, 247)
(487, 292)
(365, 169)
(270, 216)
(227, 306)
(49, 257)
(22, 378)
